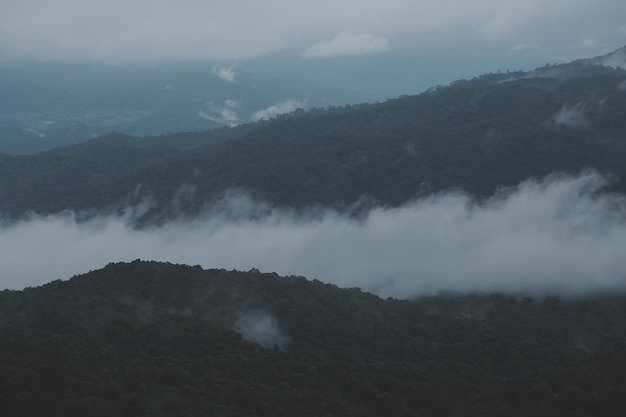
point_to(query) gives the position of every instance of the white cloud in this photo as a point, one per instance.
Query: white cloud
(226, 74)
(557, 235)
(347, 43)
(278, 108)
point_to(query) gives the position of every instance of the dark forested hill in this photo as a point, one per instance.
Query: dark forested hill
(475, 135)
(149, 338)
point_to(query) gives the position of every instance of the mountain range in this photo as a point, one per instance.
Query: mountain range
(47, 105)
(477, 136)
(158, 338)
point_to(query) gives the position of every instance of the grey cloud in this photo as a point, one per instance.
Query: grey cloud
(557, 235)
(116, 31)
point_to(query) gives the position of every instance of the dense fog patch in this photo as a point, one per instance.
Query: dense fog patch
(558, 235)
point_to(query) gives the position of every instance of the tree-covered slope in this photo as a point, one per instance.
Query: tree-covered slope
(476, 136)
(161, 339)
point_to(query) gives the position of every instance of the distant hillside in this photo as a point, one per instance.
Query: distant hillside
(45, 106)
(162, 339)
(476, 135)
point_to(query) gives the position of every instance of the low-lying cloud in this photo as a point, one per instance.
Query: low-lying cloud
(262, 328)
(274, 110)
(225, 113)
(573, 117)
(559, 235)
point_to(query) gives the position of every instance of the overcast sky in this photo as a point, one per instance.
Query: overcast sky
(428, 33)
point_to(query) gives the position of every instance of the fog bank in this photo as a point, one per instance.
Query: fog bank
(554, 236)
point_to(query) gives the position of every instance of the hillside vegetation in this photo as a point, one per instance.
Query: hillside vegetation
(149, 338)
(160, 339)
(476, 136)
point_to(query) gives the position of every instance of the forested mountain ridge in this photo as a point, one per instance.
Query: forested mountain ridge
(148, 337)
(476, 136)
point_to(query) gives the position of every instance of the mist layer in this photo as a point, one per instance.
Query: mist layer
(559, 235)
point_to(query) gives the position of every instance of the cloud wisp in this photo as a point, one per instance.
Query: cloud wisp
(225, 113)
(226, 73)
(278, 109)
(555, 236)
(347, 43)
(573, 117)
(262, 328)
